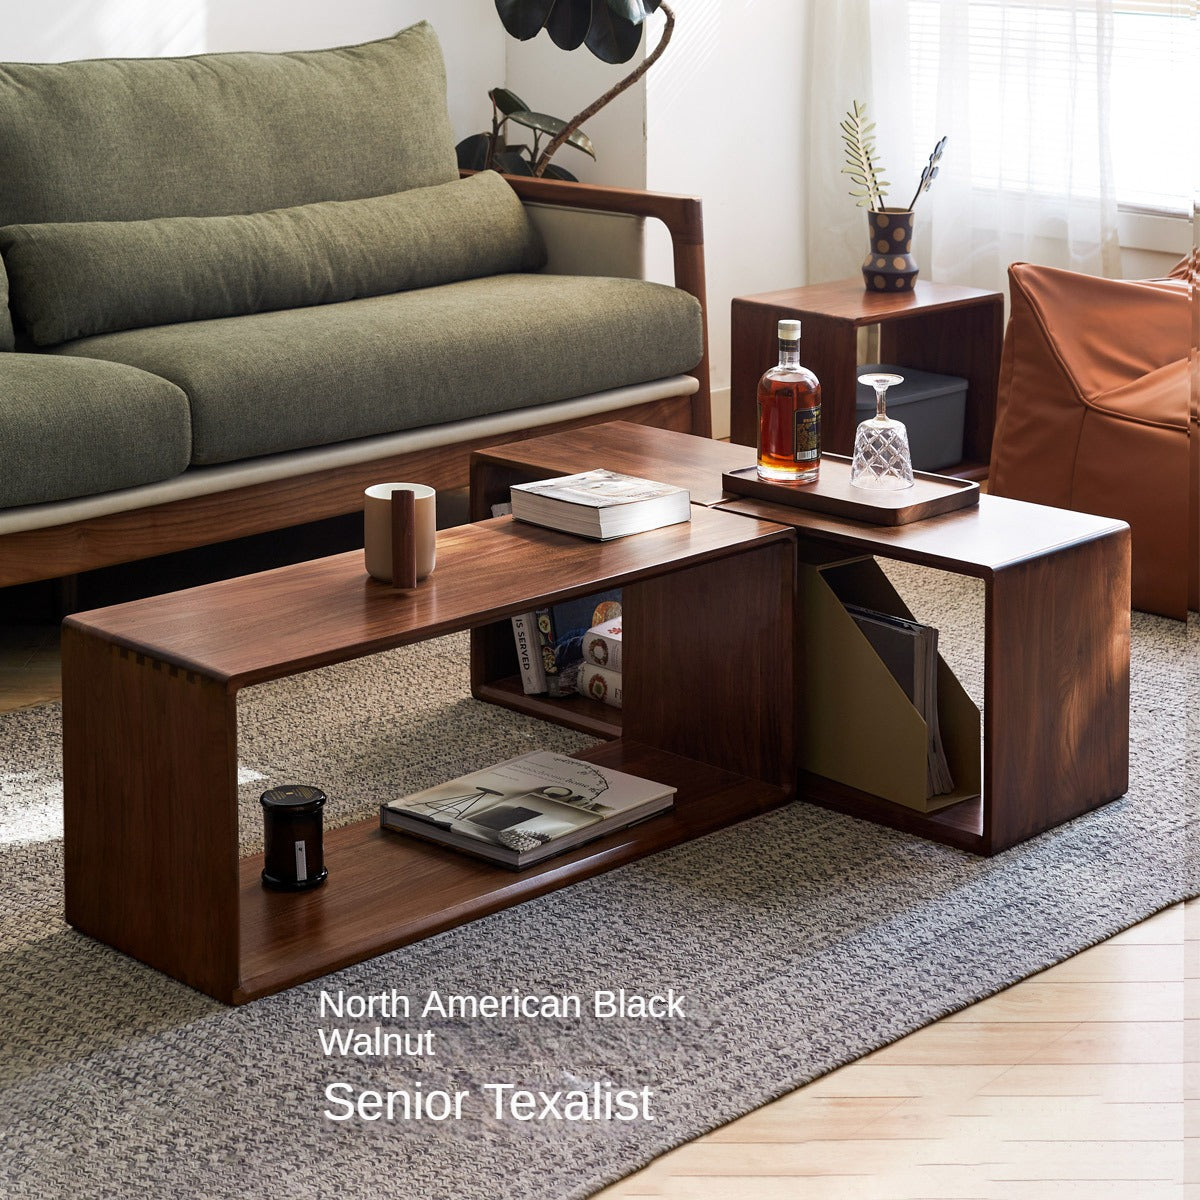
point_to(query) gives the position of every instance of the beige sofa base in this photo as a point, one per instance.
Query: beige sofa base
(201, 508)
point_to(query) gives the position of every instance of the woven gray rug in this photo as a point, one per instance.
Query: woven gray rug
(797, 941)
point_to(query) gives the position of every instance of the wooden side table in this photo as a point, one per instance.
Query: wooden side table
(1055, 639)
(936, 327)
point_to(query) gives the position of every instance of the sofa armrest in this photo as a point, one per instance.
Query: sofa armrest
(684, 222)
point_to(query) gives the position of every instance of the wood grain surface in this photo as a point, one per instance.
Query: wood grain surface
(832, 492)
(150, 734)
(664, 455)
(265, 626)
(385, 890)
(976, 541)
(937, 327)
(150, 811)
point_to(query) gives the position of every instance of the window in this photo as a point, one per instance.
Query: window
(1045, 82)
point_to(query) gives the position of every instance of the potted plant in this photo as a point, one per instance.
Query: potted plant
(610, 29)
(889, 265)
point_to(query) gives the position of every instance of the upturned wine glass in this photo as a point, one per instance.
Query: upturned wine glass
(882, 461)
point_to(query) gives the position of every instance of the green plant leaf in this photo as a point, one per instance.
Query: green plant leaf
(568, 25)
(524, 19)
(633, 11)
(544, 123)
(507, 102)
(611, 38)
(554, 171)
(472, 152)
(861, 163)
(513, 162)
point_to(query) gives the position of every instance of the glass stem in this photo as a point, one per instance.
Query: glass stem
(880, 408)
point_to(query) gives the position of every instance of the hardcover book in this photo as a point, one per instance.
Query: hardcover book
(561, 631)
(600, 504)
(602, 645)
(527, 809)
(599, 683)
(529, 653)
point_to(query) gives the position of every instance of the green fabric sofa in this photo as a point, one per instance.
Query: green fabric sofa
(237, 288)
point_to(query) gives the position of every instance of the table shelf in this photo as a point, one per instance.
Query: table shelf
(386, 889)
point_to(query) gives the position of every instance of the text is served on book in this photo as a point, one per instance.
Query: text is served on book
(525, 809)
(600, 504)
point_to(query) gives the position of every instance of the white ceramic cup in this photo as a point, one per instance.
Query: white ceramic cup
(377, 528)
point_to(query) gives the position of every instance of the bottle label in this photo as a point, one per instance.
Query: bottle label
(806, 441)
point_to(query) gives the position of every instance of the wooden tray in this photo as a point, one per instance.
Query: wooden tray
(833, 494)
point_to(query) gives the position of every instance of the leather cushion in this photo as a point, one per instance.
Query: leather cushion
(1092, 413)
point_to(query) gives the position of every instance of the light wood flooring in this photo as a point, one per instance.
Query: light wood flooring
(1081, 1081)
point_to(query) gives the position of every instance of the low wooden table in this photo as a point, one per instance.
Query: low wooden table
(1055, 637)
(150, 737)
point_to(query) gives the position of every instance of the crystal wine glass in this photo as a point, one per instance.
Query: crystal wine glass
(882, 460)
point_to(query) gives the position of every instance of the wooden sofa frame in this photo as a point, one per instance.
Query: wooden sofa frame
(73, 547)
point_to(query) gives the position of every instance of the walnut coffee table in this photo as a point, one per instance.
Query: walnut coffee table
(1055, 642)
(150, 695)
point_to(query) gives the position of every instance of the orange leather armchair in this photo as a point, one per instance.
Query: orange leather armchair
(1095, 410)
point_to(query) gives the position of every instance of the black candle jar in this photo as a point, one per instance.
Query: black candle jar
(295, 856)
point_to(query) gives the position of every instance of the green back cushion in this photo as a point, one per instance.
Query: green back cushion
(6, 329)
(73, 280)
(123, 139)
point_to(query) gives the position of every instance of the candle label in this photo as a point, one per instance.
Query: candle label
(301, 862)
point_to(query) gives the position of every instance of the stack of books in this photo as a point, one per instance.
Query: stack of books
(550, 641)
(600, 671)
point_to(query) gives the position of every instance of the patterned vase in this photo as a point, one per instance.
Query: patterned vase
(889, 267)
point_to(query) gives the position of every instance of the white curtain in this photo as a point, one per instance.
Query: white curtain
(1021, 89)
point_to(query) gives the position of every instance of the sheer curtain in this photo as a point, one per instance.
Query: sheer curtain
(1022, 91)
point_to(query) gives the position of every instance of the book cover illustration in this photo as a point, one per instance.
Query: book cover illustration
(602, 645)
(562, 628)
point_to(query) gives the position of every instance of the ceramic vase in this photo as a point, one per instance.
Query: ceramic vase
(889, 266)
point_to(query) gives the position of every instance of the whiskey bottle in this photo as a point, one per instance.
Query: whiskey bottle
(789, 415)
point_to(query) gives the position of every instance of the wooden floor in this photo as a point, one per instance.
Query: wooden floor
(1070, 1084)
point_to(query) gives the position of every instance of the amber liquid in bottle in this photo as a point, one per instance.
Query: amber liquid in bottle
(789, 415)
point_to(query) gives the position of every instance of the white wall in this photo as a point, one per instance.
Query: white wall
(726, 109)
(472, 37)
(720, 116)
(563, 83)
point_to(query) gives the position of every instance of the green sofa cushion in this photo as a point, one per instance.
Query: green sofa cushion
(75, 279)
(6, 330)
(74, 427)
(123, 139)
(279, 381)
